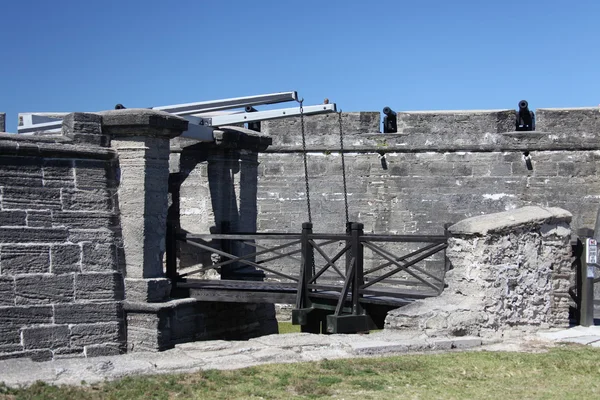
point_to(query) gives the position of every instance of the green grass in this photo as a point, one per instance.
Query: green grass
(571, 372)
(287, 327)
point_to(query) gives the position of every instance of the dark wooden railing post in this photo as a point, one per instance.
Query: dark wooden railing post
(308, 260)
(358, 255)
(348, 243)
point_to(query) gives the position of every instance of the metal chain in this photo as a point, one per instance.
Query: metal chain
(343, 166)
(305, 161)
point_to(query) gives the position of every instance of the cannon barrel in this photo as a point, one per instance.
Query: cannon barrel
(388, 111)
(390, 124)
(525, 117)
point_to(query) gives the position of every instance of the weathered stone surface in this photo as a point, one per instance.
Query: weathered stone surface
(87, 123)
(12, 218)
(65, 258)
(451, 121)
(99, 257)
(98, 350)
(147, 290)
(87, 200)
(31, 198)
(58, 173)
(102, 235)
(88, 334)
(569, 120)
(20, 171)
(24, 259)
(34, 355)
(29, 315)
(28, 235)
(2, 122)
(92, 174)
(39, 219)
(44, 289)
(45, 337)
(504, 221)
(7, 291)
(85, 220)
(87, 313)
(140, 121)
(286, 131)
(501, 279)
(99, 286)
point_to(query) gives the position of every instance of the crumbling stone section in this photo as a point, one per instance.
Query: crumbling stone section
(511, 270)
(60, 285)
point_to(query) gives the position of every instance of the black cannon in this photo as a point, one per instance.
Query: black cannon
(390, 124)
(525, 118)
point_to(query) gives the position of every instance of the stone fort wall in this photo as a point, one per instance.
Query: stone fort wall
(441, 167)
(61, 286)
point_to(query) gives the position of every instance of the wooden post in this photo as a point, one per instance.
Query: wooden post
(358, 255)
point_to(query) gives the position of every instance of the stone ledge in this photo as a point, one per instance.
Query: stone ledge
(54, 146)
(142, 122)
(502, 221)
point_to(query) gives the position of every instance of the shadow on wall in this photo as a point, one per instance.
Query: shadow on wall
(231, 177)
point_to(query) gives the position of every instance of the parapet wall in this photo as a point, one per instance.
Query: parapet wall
(60, 282)
(441, 167)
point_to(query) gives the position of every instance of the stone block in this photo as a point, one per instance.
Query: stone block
(7, 291)
(31, 198)
(34, 355)
(98, 350)
(44, 289)
(147, 290)
(102, 235)
(85, 220)
(13, 218)
(99, 257)
(39, 219)
(87, 200)
(99, 286)
(22, 259)
(94, 174)
(58, 173)
(25, 235)
(87, 123)
(142, 122)
(65, 258)
(10, 337)
(44, 337)
(456, 121)
(88, 334)
(87, 313)
(568, 120)
(20, 316)
(20, 171)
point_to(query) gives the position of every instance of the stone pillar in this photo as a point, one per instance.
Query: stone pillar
(511, 272)
(2, 122)
(141, 139)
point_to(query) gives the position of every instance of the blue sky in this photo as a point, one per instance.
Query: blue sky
(410, 55)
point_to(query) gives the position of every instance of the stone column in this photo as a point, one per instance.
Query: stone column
(2, 122)
(141, 139)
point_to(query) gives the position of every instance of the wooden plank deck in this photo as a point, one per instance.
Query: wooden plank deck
(231, 291)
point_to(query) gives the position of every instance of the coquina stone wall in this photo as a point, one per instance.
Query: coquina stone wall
(440, 168)
(511, 270)
(60, 283)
